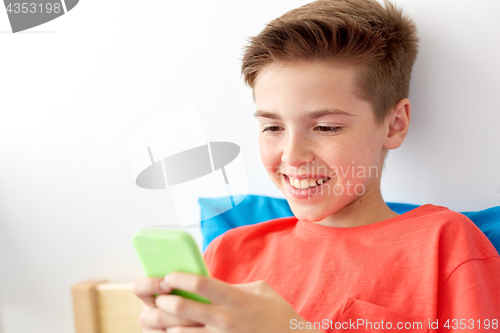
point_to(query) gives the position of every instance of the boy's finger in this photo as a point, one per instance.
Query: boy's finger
(210, 288)
(155, 318)
(257, 287)
(187, 309)
(200, 329)
(146, 288)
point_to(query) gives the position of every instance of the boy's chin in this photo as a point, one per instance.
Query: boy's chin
(307, 214)
(315, 212)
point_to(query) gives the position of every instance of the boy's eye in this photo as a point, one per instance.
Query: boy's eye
(328, 129)
(321, 129)
(272, 129)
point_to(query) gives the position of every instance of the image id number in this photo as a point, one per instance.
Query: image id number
(471, 324)
(33, 8)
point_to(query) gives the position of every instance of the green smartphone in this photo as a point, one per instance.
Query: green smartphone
(162, 251)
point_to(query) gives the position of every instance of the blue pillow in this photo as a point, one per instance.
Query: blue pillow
(256, 208)
(253, 209)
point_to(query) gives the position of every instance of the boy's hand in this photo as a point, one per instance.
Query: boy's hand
(152, 319)
(239, 308)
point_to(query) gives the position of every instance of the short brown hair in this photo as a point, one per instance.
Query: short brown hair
(379, 38)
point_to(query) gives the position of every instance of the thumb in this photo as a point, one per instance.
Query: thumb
(257, 287)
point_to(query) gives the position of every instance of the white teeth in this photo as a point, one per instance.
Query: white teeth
(303, 184)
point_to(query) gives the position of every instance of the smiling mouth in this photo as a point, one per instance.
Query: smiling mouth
(305, 183)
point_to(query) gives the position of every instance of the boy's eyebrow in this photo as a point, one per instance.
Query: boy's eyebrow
(310, 115)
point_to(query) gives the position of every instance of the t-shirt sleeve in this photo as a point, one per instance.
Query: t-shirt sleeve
(471, 293)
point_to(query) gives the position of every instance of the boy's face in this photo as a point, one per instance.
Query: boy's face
(313, 127)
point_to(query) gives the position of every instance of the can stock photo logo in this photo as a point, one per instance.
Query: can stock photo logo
(170, 152)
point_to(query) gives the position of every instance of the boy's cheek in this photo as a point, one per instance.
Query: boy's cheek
(268, 154)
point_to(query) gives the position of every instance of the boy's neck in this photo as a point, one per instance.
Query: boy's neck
(368, 209)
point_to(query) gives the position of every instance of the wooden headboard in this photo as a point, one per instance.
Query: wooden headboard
(102, 307)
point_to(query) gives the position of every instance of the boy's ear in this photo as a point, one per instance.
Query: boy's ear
(397, 124)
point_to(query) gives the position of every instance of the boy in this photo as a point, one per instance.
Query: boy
(330, 82)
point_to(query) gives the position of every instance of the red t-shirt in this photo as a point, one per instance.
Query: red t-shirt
(428, 264)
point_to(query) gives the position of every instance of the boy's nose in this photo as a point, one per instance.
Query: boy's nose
(308, 161)
(297, 154)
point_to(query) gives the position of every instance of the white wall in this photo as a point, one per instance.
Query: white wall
(72, 90)
(451, 155)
